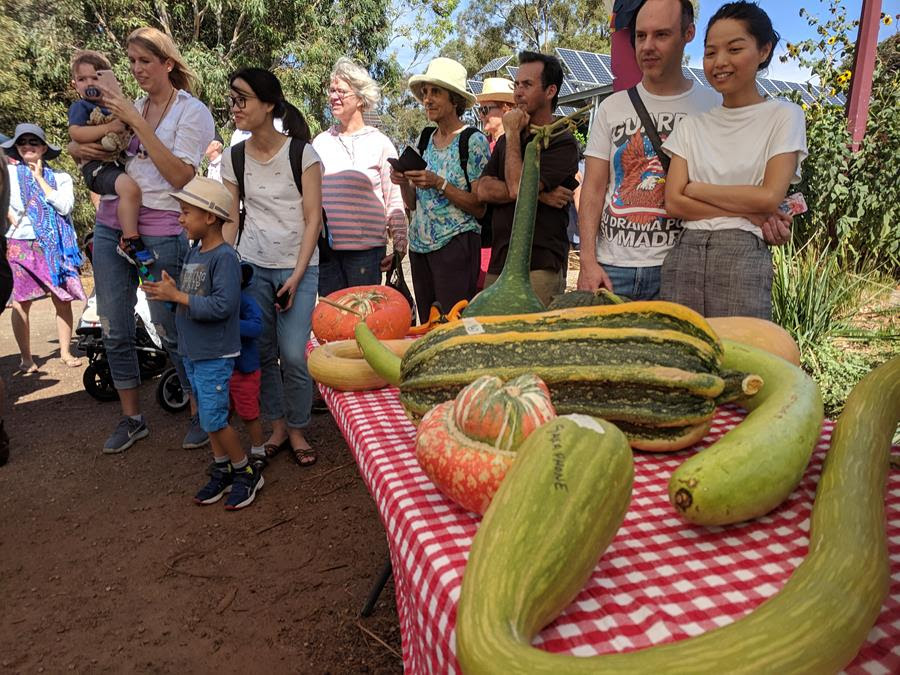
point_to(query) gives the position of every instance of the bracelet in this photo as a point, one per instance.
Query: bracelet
(443, 186)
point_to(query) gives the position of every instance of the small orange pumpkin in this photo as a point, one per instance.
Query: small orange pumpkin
(466, 445)
(758, 333)
(383, 308)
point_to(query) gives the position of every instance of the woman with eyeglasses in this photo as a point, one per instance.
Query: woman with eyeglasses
(42, 248)
(172, 130)
(361, 202)
(277, 234)
(6, 286)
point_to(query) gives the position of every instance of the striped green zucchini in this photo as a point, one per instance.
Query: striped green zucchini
(815, 624)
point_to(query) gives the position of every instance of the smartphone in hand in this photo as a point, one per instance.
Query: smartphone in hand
(571, 183)
(283, 300)
(108, 81)
(794, 204)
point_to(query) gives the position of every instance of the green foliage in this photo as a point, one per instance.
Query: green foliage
(819, 303)
(854, 198)
(301, 40)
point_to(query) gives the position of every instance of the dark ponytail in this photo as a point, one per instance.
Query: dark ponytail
(755, 20)
(267, 88)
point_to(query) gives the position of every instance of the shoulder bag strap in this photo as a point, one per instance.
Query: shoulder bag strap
(649, 127)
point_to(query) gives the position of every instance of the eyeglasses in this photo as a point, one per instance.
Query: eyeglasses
(33, 142)
(486, 109)
(340, 94)
(240, 101)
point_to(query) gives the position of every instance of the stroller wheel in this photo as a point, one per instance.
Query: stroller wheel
(169, 394)
(98, 382)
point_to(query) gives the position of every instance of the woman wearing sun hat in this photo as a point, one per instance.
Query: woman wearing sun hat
(42, 247)
(496, 98)
(444, 234)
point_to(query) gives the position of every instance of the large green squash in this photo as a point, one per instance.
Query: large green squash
(815, 624)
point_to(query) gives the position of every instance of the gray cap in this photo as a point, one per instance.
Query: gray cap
(34, 130)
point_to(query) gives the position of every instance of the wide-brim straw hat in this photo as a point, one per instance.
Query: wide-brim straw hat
(34, 130)
(206, 194)
(497, 89)
(445, 73)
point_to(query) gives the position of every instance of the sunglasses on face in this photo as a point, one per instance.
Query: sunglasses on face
(33, 142)
(487, 109)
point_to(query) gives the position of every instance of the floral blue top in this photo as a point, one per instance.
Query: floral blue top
(436, 220)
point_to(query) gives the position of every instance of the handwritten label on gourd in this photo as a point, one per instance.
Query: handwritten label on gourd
(472, 326)
(559, 459)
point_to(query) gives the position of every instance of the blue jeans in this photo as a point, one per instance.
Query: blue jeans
(115, 284)
(350, 268)
(209, 383)
(285, 392)
(635, 283)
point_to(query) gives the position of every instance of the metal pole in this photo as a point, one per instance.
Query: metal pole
(863, 71)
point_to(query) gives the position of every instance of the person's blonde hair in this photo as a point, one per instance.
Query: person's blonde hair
(362, 84)
(163, 47)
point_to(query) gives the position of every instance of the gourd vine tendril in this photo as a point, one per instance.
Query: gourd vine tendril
(544, 134)
(341, 307)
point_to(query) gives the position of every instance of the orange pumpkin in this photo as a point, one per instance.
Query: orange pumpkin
(758, 333)
(466, 446)
(383, 308)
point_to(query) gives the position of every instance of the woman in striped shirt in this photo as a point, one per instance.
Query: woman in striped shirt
(361, 202)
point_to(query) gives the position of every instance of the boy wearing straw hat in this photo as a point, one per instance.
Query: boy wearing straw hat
(208, 319)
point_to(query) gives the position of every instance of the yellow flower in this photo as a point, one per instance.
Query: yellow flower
(804, 106)
(833, 92)
(888, 20)
(832, 40)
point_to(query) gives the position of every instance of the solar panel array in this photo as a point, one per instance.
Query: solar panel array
(494, 65)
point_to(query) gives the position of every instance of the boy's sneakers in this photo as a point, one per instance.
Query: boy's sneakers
(247, 482)
(220, 482)
(135, 252)
(195, 436)
(127, 432)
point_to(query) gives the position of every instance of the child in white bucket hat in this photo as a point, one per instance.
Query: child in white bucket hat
(208, 296)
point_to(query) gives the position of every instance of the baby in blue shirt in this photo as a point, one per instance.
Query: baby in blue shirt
(208, 299)
(105, 178)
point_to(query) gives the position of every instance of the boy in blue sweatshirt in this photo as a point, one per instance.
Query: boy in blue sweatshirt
(209, 335)
(244, 385)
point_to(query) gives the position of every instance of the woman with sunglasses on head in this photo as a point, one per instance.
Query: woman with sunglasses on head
(42, 248)
(172, 129)
(731, 169)
(277, 235)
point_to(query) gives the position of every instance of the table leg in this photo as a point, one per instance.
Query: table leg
(376, 589)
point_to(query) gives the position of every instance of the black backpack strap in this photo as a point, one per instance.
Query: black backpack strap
(424, 137)
(238, 159)
(464, 137)
(295, 154)
(649, 127)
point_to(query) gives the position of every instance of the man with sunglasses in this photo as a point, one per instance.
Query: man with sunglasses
(495, 100)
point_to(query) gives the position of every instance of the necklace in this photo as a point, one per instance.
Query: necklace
(142, 152)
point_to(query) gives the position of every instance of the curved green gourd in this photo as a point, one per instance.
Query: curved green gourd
(815, 624)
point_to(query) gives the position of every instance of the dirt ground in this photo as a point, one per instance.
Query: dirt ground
(106, 565)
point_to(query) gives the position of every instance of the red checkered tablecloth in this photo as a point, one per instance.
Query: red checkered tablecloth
(661, 580)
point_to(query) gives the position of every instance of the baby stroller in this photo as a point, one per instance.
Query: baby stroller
(152, 357)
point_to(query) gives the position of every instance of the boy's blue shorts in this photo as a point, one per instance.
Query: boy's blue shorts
(209, 382)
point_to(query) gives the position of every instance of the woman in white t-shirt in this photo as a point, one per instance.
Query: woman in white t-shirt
(731, 169)
(278, 238)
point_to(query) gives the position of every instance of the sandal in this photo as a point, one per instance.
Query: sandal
(272, 449)
(72, 361)
(304, 457)
(28, 368)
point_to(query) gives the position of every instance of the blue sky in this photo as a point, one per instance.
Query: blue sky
(785, 16)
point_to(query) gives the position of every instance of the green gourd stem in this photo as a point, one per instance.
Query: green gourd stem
(382, 360)
(815, 624)
(512, 292)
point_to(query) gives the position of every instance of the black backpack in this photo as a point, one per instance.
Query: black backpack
(464, 136)
(295, 155)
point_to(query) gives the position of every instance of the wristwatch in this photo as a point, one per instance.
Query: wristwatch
(443, 186)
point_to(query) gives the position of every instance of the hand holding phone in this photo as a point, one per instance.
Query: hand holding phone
(108, 82)
(283, 300)
(794, 204)
(409, 160)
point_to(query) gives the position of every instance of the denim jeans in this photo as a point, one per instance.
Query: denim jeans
(635, 283)
(285, 392)
(115, 284)
(209, 382)
(350, 268)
